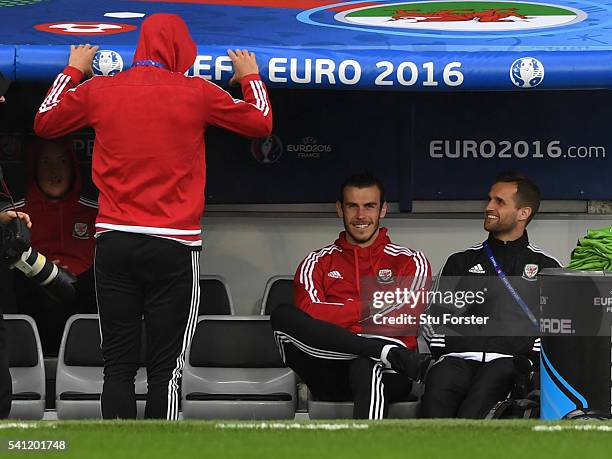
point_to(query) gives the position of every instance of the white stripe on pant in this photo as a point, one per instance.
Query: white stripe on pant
(173, 389)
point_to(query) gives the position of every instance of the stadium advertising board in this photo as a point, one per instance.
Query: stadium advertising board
(390, 45)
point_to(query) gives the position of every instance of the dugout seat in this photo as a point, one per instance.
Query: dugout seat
(26, 365)
(80, 366)
(406, 409)
(215, 297)
(233, 370)
(279, 290)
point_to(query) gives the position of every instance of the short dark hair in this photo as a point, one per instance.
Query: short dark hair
(527, 192)
(362, 180)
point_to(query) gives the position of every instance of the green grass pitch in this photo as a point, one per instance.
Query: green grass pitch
(434, 439)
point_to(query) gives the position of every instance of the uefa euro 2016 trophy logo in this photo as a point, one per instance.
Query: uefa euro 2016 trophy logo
(107, 62)
(527, 72)
(268, 150)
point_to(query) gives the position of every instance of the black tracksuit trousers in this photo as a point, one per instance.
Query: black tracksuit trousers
(140, 276)
(5, 375)
(460, 388)
(338, 365)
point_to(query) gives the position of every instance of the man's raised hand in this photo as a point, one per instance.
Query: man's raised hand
(81, 57)
(244, 64)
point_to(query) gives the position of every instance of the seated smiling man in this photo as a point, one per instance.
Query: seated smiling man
(476, 366)
(322, 337)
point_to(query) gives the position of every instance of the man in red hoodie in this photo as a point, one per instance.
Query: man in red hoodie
(149, 166)
(64, 233)
(327, 339)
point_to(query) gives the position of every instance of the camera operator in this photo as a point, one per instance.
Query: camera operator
(63, 234)
(5, 375)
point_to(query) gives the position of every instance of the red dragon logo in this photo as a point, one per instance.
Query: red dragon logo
(490, 15)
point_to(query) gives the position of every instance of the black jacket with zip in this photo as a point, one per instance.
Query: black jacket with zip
(508, 330)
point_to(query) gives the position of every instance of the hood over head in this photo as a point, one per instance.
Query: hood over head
(165, 38)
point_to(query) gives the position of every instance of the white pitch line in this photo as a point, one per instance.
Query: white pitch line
(582, 427)
(18, 425)
(292, 426)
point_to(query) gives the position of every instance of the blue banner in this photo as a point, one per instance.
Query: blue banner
(7, 61)
(387, 45)
(373, 70)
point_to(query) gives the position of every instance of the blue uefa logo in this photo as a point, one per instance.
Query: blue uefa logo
(527, 72)
(107, 62)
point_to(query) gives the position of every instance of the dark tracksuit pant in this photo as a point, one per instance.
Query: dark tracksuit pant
(145, 276)
(338, 365)
(5, 375)
(6, 385)
(460, 388)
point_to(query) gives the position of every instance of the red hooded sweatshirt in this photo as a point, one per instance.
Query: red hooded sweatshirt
(63, 229)
(336, 283)
(149, 121)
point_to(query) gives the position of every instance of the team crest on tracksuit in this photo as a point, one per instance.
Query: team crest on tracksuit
(530, 271)
(385, 276)
(80, 230)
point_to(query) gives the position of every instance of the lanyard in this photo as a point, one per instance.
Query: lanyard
(149, 62)
(508, 285)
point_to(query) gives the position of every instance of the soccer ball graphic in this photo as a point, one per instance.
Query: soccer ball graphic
(267, 150)
(527, 72)
(107, 62)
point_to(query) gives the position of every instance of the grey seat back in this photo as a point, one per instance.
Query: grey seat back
(215, 296)
(26, 366)
(279, 290)
(80, 366)
(233, 370)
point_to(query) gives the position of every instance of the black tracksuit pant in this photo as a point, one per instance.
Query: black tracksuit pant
(338, 365)
(5, 375)
(6, 385)
(460, 388)
(145, 276)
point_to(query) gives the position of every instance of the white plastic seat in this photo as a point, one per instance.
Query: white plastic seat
(279, 290)
(233, 370)
(80, 369)
(26, 365)
(215, 296)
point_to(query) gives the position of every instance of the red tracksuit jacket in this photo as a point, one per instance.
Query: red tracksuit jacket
(330, 283)
(148, 159)
(62, 229)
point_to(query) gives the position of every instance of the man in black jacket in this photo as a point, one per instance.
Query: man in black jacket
(5, 376)
(477, 341)
(5, 218)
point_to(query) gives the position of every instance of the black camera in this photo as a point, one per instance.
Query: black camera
(17, 252)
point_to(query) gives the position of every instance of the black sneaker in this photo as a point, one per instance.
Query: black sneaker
(409, 362)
